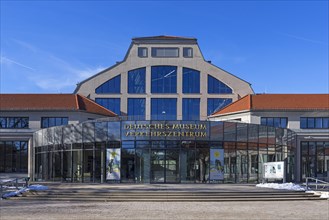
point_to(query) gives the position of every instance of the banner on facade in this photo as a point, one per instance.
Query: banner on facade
(113, 164)
(274, 170)
(216, 164)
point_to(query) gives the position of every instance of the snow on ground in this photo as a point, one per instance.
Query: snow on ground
(25, 189)
(320, 193)
(286, 186)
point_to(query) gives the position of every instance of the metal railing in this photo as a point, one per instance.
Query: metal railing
(310, 181)
(8, 184)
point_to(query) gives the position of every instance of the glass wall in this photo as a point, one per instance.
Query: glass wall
(315, 159)
(165, 152)
(13, 156)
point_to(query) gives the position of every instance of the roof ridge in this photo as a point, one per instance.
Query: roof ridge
(77, 101)
(95, 103)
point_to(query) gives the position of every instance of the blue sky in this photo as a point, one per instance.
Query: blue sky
(277, 46)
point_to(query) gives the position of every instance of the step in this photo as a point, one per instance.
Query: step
(169, 199)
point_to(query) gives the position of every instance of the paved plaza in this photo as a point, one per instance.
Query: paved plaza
(18, 209)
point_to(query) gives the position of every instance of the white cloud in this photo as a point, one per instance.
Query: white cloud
(52, 73)
(302, 38)
(7, 61)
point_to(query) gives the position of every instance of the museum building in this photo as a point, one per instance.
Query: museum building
(167, 126)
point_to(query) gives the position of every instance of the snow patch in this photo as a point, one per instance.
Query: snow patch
(285, 186)
(25, 189)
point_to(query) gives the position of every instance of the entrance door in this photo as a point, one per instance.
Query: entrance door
(165, 166)
(157, 166)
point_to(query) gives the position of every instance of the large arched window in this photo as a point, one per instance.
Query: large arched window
(136, 80)
(112, 104)
(111, 86)
(191, 81)
(217, 87)
(215, 104)
(164, 79)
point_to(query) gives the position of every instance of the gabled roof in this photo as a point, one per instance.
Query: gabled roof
(164, 39)
(51, 102)
(277, 102)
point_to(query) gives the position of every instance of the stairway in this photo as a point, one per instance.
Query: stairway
(165, 196)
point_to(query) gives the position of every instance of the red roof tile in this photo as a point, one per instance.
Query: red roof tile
(51, 102)
(278, 102)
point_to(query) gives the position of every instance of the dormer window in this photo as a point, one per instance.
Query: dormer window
(142, 52)
(165, 52)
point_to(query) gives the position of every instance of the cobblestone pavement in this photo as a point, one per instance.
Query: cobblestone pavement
(20, 209)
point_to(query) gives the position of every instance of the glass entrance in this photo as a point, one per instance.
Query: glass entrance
(165, 166)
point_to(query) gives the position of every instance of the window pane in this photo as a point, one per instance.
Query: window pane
(215, 105)
(303, 122)
(136, 109)
(276, 122)
(136, 80)
(65, 121)
(187, 52)
(325, 122)
(310, 122)
(112, 104)
(263, 121)
(217, 87)
(142, 51)
(318, 122)
(163, 109)
(191, 81)
(191, 109)
(270, 122)
(3, 122)
(11, 122)
(110, 86)
(164, 79)
(284, 123)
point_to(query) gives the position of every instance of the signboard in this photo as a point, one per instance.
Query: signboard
(165, 130)
(274, 170)
(216, 164)
(113, 164)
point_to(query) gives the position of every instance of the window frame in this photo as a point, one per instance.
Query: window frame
(55, 120)
(185, 53)
(17, 122)
(274, 120)
(312, 122)
(153, 52)
(140, 52)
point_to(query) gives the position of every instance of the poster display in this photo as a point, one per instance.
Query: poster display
(113, 156)
(274, 170)
(216, 164)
